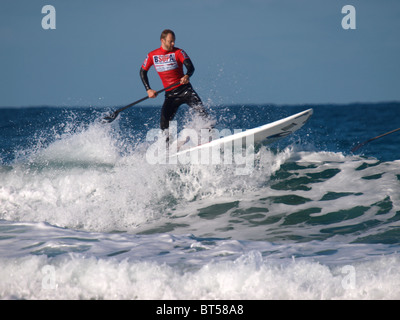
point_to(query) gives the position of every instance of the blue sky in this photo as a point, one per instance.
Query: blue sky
(249, 51)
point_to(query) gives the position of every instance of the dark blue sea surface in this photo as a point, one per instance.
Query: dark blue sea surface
(84, 215)
(336, 128)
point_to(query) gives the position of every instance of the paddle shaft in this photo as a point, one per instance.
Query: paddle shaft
(372, 139)
(115, 113)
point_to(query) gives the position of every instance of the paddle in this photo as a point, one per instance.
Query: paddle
(114, 115)
(369, 140)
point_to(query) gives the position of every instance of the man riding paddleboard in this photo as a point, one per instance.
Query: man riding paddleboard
(168, 61)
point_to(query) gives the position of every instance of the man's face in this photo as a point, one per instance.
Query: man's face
(168, 43)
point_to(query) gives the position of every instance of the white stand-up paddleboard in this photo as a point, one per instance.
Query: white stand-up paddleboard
(263, 135)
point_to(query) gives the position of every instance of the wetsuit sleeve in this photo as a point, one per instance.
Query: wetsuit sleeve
(145, 79)
(189, 67)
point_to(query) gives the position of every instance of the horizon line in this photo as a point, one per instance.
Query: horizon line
(215, 106)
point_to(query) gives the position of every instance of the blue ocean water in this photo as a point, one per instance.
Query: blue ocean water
(84, 215)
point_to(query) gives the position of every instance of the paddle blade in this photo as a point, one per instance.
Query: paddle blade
(110, 118)
(357, 147)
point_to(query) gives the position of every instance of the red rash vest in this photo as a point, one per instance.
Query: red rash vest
(168, 64)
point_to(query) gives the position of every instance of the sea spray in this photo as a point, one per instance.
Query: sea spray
(311, 221)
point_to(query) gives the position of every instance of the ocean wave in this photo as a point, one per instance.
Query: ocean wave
(84, 180)
(248, 277)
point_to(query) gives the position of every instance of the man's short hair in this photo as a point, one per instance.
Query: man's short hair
(165, 33)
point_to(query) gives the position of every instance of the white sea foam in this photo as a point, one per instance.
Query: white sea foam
(39, 261)
(88, 180)
(248, 277)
